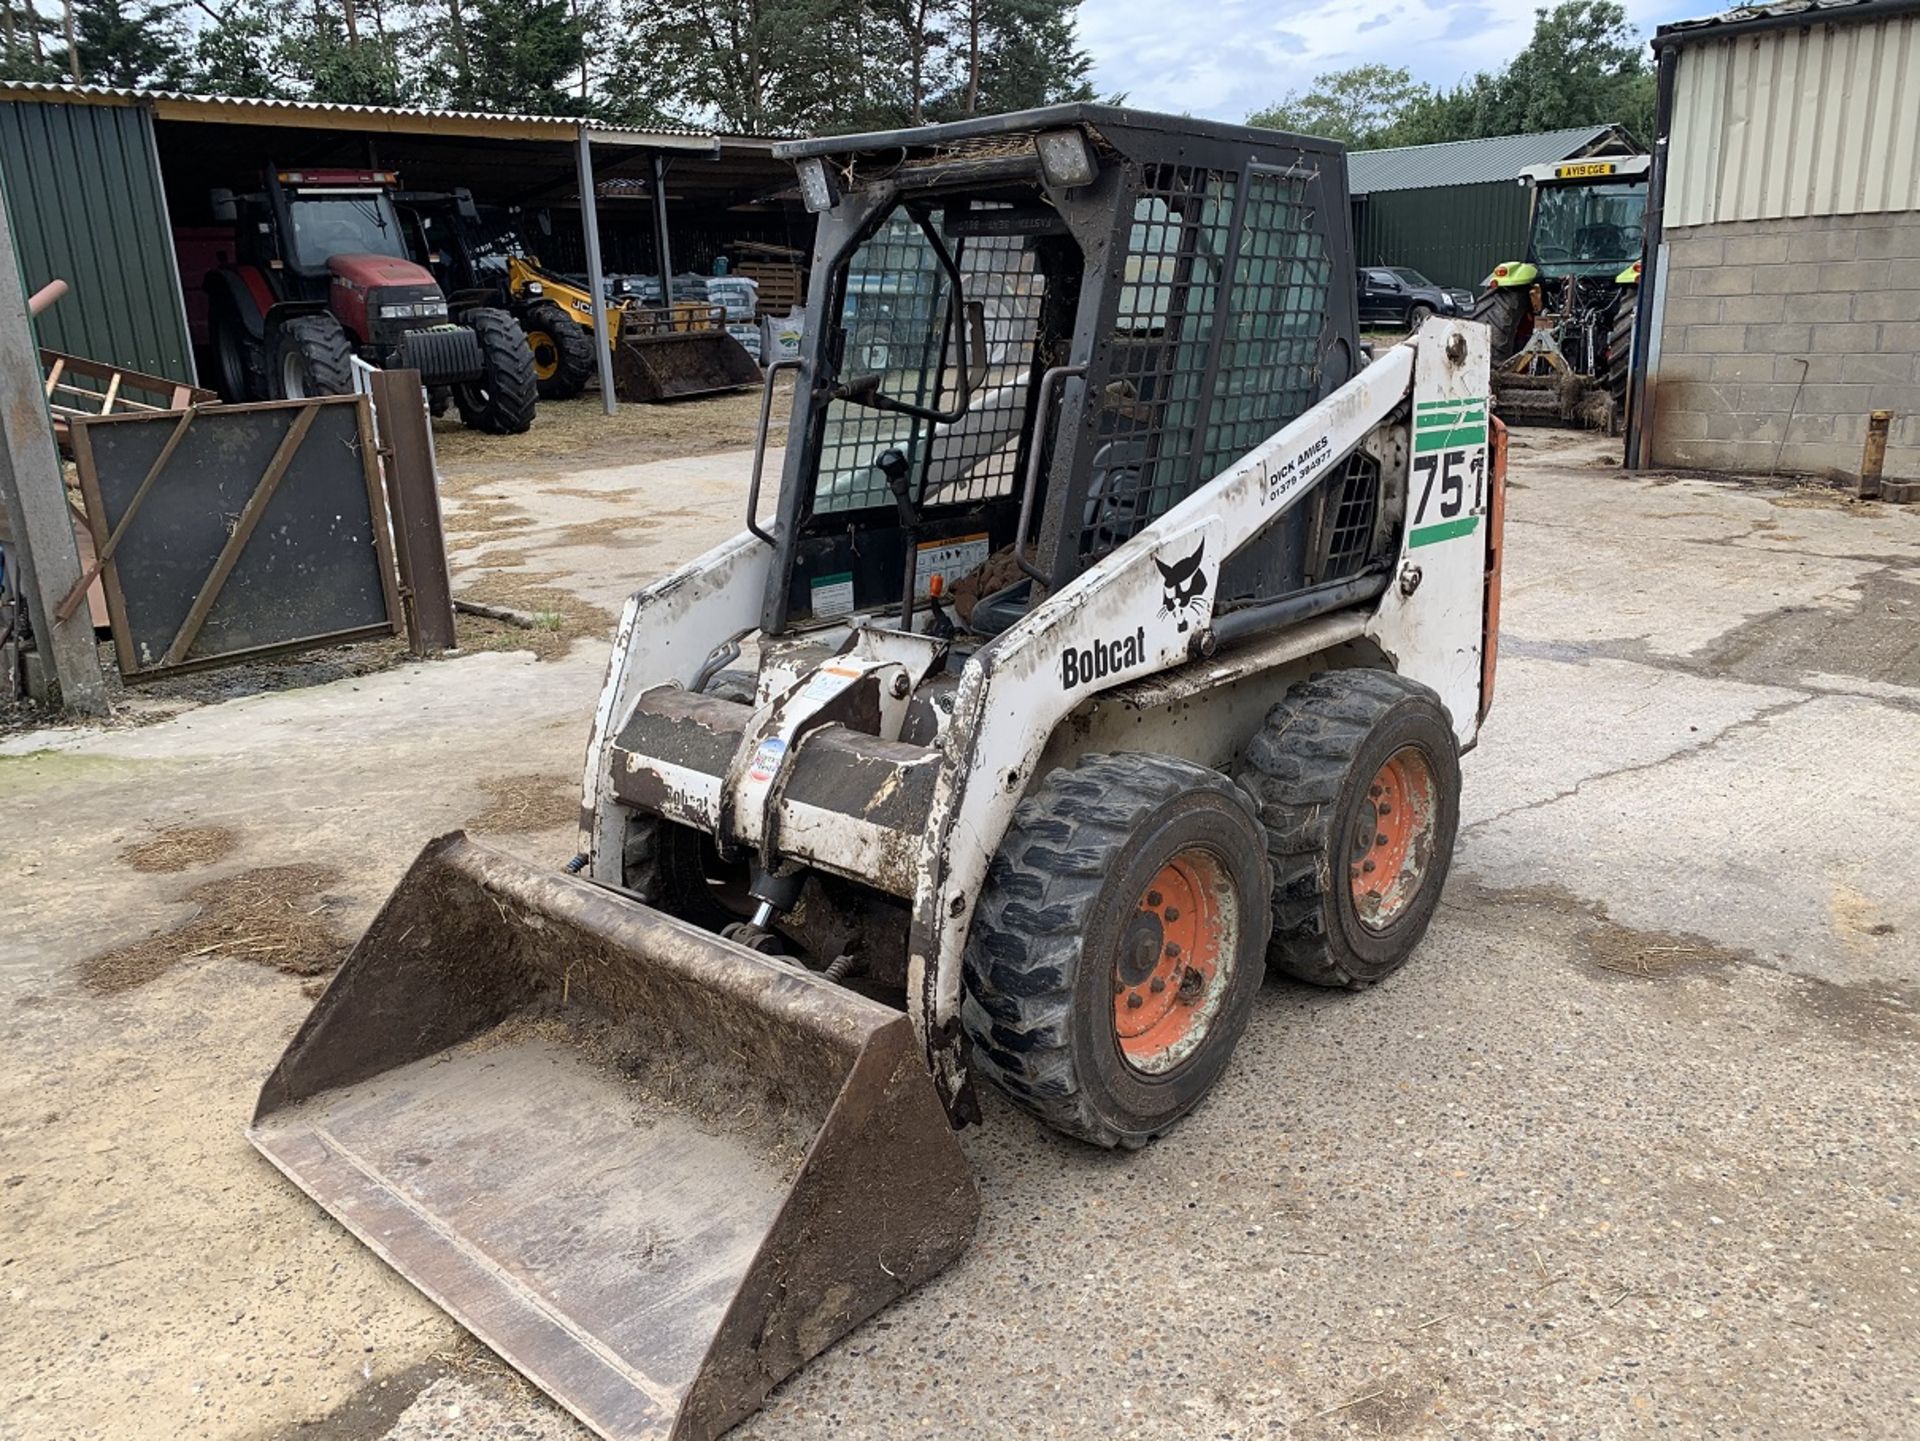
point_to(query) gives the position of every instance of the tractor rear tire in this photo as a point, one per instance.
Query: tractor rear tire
(1116, 953)
(1620, 354)
(1501, 311)
(503, 400)
(1357, 778)
(562, 351)
(311, 356)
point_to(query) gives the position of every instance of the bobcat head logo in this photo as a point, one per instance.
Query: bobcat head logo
(1183, 583)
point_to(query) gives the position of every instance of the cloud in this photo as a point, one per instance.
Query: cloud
(1224, 60)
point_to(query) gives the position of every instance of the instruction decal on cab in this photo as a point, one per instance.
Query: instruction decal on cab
(1449, 492)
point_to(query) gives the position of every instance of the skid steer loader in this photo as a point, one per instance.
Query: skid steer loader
(1091, 668)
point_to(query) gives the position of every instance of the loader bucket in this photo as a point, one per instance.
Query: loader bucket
(655, 1171)
(676, 364)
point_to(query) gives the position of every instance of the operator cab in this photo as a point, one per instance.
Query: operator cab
(1031, 335)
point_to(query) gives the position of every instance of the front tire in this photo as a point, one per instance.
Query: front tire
(1357, 778)
(562, 351)
(1502, 311)
(502, 401)
(312, 356)
(1116, 952)
(1417, 316)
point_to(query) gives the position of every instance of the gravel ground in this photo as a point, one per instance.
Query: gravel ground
(1629, 1149)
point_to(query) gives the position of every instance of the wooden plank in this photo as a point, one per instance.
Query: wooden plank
(230, 552)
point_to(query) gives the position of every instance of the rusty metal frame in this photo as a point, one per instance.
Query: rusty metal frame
(175, 661)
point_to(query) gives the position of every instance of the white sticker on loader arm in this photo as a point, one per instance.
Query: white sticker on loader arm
(1449, 486)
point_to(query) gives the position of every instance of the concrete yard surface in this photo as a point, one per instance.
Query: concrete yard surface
(1631, 1148)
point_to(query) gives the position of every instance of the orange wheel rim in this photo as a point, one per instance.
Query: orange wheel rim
(1176, 958)
(1391, 846)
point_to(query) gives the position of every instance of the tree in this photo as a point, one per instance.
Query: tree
(1359, 106)
(1581, 66)
(124, 42)
(235, 52)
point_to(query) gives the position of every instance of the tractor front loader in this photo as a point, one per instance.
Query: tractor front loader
(1101, 658)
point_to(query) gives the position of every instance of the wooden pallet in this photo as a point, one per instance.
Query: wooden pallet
(78, 386)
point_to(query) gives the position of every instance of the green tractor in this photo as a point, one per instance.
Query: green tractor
(1561, 321)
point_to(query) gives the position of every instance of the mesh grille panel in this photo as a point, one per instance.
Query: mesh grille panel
(1181, 403)
(1275, 306)
(896, 319)
(1351, 501)
(1162, 332)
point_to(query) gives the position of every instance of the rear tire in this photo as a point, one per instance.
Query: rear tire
(562, 351)
(311, 356)
(1501, 311)
(1346, 757)
(1080, 1001)
(503, 400)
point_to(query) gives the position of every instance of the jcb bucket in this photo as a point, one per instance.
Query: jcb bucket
(654, 1170)
(675, 364)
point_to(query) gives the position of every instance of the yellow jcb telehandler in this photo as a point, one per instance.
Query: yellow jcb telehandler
(666, 353)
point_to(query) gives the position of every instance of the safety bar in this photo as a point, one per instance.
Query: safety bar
(760, 443)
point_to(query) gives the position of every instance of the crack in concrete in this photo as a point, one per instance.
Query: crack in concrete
(1759, 717)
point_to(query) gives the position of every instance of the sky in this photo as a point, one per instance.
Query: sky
(1225, 58)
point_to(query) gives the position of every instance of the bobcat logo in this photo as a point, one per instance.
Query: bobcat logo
(1184, 583)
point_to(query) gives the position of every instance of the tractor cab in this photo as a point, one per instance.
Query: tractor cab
(1562, 319)
(323, 275)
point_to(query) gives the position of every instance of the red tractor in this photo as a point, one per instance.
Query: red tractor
(321, 274)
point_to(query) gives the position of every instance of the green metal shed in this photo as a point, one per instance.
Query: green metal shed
(83, 190)
(1454, 211)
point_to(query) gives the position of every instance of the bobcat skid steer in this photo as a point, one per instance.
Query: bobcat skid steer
(1100, 659)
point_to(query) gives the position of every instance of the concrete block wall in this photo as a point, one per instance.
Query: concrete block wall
(1817, 317)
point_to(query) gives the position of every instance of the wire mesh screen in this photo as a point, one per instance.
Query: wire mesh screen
(1275, 308)
(1150, 407)
(1348, 507)
(898, 325)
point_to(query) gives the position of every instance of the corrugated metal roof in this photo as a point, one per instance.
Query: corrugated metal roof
(178, 105)
(1776, 123)
(1475, 162)
(1784, 16)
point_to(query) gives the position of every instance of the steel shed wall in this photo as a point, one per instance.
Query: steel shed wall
(83, 189)
(1823, 120)
(1452, 234)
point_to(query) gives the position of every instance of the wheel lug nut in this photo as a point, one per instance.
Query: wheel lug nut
(1153, 898)
(1366, 865)
(1386, 810)
(1173, 913)
(1159, 984)
(1173, 950)
(1380, 840)
(1374, 791)
(1133, 1001)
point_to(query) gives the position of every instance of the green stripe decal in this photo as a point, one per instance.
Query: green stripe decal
(1470, 433)
(1445, 530)
(1474, 402)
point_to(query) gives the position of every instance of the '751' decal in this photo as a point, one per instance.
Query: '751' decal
(1449, 469)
